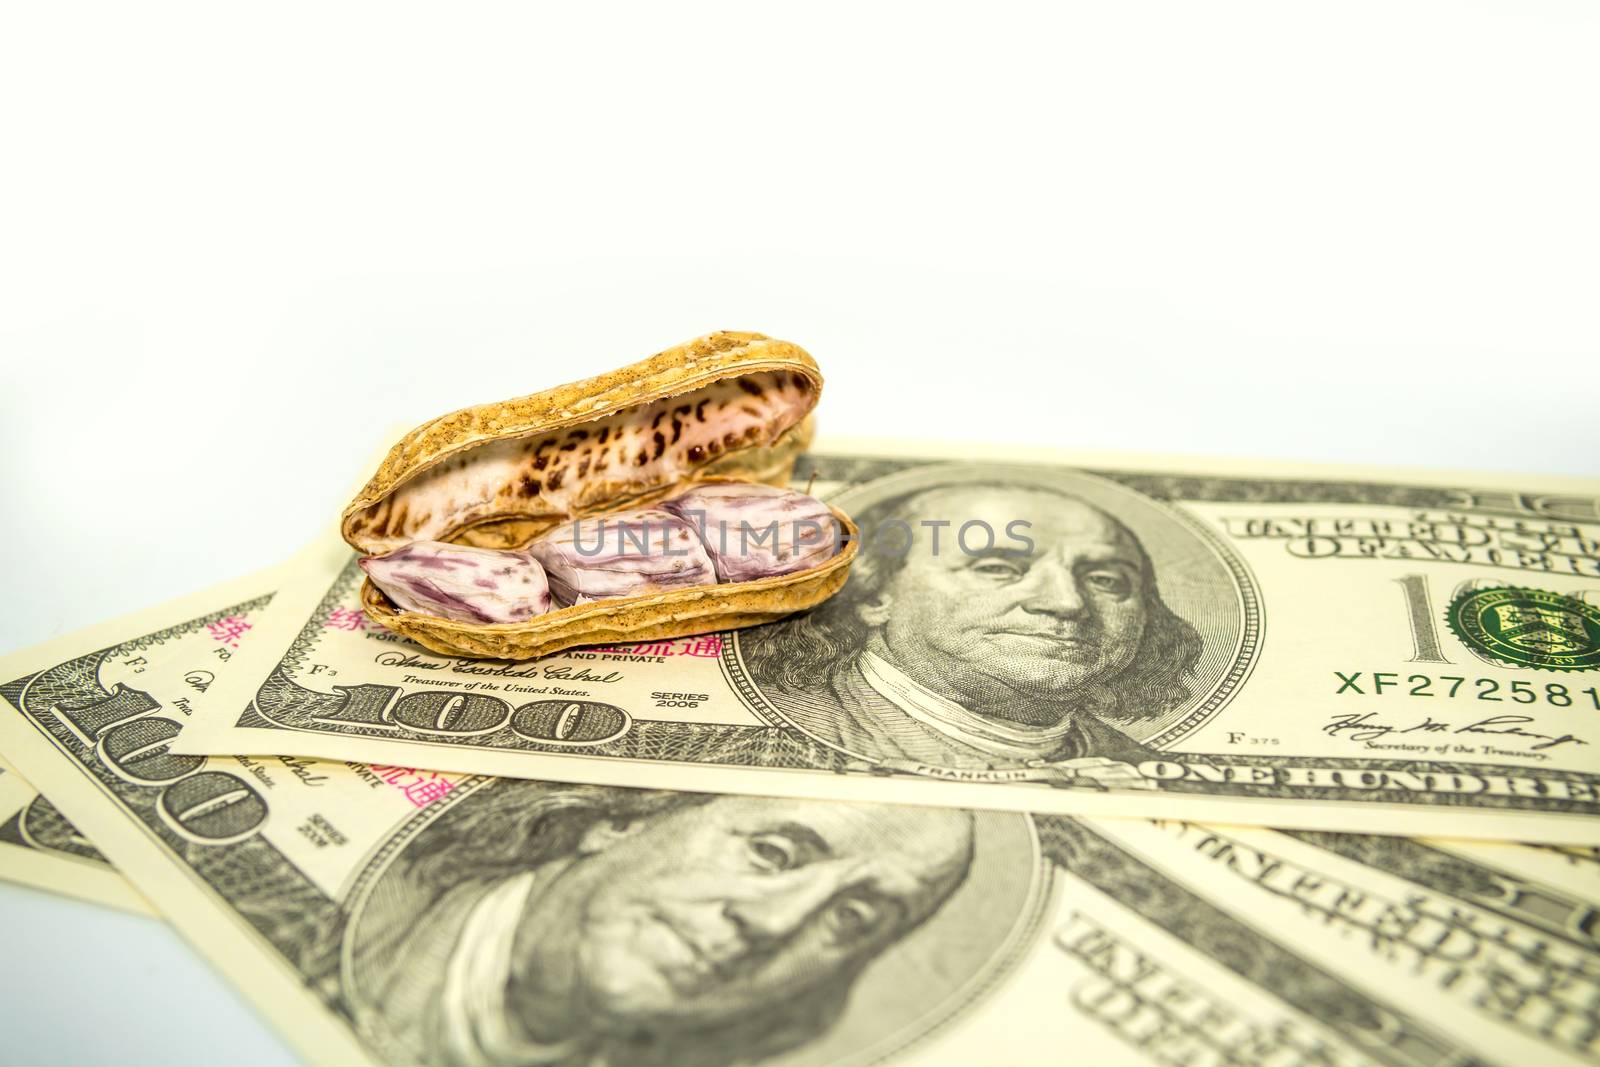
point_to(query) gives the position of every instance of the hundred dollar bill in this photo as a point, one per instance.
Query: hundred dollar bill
(1487, 927)
(1405, 653)
(39, 847)
(390, 915)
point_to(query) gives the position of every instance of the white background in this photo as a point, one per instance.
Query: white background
(238, 244)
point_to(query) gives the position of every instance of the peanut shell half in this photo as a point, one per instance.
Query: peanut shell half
(726, 405)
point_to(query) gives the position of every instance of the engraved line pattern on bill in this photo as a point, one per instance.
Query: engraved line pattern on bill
(217, 834)
(488, 722)
(1521, 953)
(1221, 676)
(41, 848)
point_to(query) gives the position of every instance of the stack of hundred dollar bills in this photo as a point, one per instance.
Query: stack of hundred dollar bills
(1234, 765)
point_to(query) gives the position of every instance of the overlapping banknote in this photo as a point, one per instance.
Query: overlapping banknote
(40, 847)
(931, 877)
(387, 914)
(1359, 651)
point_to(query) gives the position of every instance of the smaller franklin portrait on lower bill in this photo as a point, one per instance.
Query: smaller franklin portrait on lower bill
(528, 923)
(1035, 614)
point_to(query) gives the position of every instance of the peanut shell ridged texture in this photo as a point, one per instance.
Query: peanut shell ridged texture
(634, 434)
(622, 554)
(757, 531)
(461, 583)
(652, 617)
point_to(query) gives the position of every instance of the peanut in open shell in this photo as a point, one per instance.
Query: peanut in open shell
(727, 406)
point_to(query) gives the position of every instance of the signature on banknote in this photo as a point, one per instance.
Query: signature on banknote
(1367, 727)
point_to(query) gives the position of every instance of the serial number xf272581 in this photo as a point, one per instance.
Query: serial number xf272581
(1461, 687)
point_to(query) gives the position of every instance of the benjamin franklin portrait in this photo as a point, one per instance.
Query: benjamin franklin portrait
(538, 924)
(994, 655)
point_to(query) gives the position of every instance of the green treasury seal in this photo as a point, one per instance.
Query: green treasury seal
(1528, 627)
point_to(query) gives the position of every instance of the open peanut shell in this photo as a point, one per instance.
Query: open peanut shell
(727, 406)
